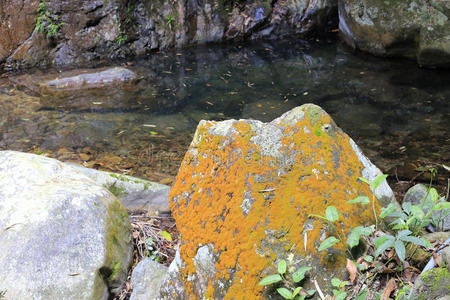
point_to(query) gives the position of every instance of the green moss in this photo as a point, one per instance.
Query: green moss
(435, 283)
(314, 112)
(116, 190)
(115, 270)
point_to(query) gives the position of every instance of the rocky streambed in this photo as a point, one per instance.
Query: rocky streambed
(138, 117)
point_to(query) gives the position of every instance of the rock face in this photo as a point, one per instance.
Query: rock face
(243, 197)
(75, 32)
(432, 284)
(63, 236)
(416, 29)
(146, 279)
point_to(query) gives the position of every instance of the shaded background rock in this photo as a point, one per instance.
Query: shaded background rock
(108, 29)
(63, 235)
(415, 29)
(243, 196)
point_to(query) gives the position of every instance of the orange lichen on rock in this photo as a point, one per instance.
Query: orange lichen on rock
(248, 188)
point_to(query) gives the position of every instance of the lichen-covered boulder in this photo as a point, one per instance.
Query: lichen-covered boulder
(62, 236)
(432, 284)
(417, 29)
(244, 194)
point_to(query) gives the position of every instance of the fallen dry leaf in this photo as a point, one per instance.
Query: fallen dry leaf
(352, 271)
(391, 285)
(437, 259)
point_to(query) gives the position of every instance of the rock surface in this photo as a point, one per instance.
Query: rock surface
(243, 197)
(146, 279)
(416, 29)
(63, 235)
(105, 29)
(432, 284)
(136, 194)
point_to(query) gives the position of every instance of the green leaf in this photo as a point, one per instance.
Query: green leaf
(362, 295)
(360, 199)
(417, 212)
(386, 243)
(442, 205)
(416, 240)
(301, 297)
(353, 238)
(341, 296)
(166, 235)
(336, 282)
(377, 181)
(311, 292)
(300, 274)
(407, 207)
(400, 250)
(331, 214)
(364, 180)
(285, 293)
(153, 132)
(368, 258)
(296, 291)
(387, 210)
(403, 233)
(433, 194)
(327, 243)
(398, 214)
(270, 279)
(282, 266)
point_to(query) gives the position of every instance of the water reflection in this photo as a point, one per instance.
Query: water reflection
(398, 113)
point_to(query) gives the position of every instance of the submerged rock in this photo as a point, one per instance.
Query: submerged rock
(100, 79)
(244, 194)
(416, 29)
(63, 235)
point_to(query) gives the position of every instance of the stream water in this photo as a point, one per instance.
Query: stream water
(399, 114)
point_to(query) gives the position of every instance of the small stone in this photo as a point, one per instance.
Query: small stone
(146, 279)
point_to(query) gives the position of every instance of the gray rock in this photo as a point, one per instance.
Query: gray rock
(416, 195)
(62, 235)
(110, 76)
(146, 279)
(136, 194)
(415, 29)
(432, 284)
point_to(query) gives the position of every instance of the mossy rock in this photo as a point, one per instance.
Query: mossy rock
(432, 284)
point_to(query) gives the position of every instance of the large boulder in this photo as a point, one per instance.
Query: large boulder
(62, 235)
(416, 29)
(244, 194)
(79, 31)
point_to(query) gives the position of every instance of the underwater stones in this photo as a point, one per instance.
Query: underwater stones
(243, 196)
(415, 29)
(62, 235)
(110, 76)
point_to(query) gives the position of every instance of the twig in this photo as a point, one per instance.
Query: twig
(319, 291)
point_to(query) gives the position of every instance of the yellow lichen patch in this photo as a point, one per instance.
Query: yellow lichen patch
(229, 194)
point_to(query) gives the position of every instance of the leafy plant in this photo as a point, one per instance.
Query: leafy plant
(2, 294)
(170, 20)
(373, 186)
(287, 291)
(338, 288)
(332, 216)
(45, 22)
(151, 250)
